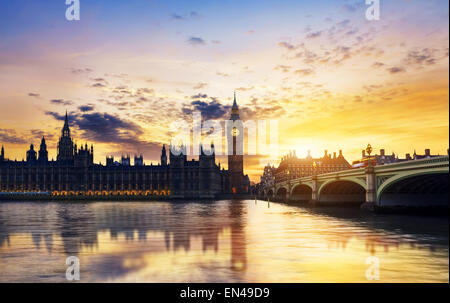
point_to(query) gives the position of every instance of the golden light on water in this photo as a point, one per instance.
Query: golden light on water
(249, 243)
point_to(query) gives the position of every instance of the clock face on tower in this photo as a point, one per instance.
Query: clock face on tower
(235, 132)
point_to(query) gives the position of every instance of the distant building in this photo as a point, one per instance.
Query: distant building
(293, 167)
(383, 159)
(427, 155)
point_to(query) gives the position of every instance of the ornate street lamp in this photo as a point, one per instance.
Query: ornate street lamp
(369, 151)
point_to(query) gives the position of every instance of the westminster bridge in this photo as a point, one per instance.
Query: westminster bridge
(417, 183)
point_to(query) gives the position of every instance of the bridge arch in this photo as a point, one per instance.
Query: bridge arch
(419, 188)
(351, 180)
(301, 192)
(345, 191)
(281, 193)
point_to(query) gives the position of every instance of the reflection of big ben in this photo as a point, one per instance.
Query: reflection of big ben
(235, 134)
(238, 239)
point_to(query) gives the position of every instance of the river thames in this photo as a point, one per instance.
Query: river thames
(222, 241)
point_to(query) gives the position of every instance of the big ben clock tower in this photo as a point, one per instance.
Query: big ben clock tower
(235, 140)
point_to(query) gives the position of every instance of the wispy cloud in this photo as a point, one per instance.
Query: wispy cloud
(78, 71)
(287, 45)
(425, 56)
(191, 15)
(314, 35)
(378, 64)
(196, 41)
(10, 136)
(35, 95)
(200, 85)
(396, 70)
(61, 102)
(86, 108)
(304, 72)
(177, 17)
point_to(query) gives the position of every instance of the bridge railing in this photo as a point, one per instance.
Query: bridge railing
(361, 171)
(421, 162)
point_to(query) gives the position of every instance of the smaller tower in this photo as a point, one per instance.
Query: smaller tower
(109, 161)
(177, 155)
(2, 155)
(31, 155)
(207, 157)
(164, 156)
(138, 161)
(125, 161)
(213, 150)
(43, 153)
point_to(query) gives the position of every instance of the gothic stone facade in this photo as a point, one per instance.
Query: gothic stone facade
(75, 173)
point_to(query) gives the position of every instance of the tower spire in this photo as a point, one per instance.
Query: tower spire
(66, 128)
(235, 109)
(65, 144)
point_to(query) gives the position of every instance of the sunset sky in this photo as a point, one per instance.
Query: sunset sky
(128, 69)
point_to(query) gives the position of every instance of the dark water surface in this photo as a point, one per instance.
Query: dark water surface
(223, 241)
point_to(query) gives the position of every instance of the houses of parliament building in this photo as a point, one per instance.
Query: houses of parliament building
(74, 172)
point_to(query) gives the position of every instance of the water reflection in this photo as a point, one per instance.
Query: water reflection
(385, 232)
(223, 241)
(78, 224)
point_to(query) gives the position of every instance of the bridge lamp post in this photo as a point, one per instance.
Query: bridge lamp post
(289, 184)
(370, 183)
(314, 196)
(369, 151)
